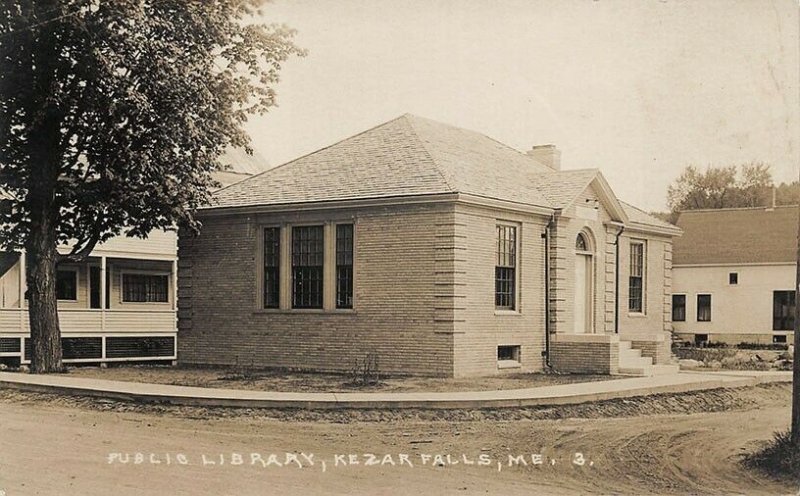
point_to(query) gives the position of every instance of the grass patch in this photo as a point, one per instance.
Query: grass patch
(779, 458)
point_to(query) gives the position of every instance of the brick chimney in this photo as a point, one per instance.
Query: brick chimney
(549, 155)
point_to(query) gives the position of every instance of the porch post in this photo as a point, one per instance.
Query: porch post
(22, 278)
(22, 282)
(175, 284)
(103, 292)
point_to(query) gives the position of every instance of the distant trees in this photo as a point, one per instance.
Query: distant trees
(747, 185)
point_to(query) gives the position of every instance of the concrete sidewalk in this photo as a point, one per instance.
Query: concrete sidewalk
(547, 395)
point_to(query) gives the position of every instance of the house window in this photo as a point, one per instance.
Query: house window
(636, 278)
(307, 262)
(67, 285)
(733, 278)
(678, 308)
(704, 308)
(344, 266)
(272, 267)
(505, 268)
(145, 288)
(783, 310)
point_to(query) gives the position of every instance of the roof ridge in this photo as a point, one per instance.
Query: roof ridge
(436, 167)
(734, 209)
(505, 146)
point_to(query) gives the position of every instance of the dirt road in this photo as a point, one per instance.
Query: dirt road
(60, 449)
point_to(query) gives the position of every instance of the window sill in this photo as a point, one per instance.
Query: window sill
(507, 312)
(140, 303)
(637, 315)
(508, 364)
(310, 311)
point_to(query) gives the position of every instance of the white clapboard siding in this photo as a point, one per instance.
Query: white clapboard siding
(141, 321)
(158, 244)
(14, 321)
(11, 321)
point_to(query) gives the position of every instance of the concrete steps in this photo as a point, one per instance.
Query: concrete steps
(631, 362)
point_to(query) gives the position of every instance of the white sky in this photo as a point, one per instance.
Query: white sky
(637, 88)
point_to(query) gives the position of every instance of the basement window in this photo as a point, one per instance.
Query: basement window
(508, 356)
(779, 338)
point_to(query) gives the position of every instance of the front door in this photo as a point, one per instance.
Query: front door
(583, 293)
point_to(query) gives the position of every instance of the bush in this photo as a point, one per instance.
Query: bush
(365, 372)
(779, 458)
(763, 346)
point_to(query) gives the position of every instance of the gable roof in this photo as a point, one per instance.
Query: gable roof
(241, 165)
(563, 187)
(737, 236)
(406, 156)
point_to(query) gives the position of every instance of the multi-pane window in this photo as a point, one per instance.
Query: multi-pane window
(505, 268)
(66, 285)
(344, 266)
(704, 308)
(678, 308)
(636, 278)
(272, 267)
(307, 263)
(783, 310)
(145, 288)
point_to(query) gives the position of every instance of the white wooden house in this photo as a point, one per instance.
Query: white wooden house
(119, 305)
(129, 316)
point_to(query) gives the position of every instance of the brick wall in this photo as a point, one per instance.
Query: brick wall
(479, 328)
(657, 300)
(585, 354)
(397, 265)
(656, 346)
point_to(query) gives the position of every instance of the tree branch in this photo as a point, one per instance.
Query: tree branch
(82, 249)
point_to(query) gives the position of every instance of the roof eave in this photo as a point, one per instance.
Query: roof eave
(381, 201)
(651, 229)
(330, 204)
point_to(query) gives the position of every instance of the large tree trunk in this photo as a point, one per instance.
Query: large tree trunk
(41, 272)
(42, 304)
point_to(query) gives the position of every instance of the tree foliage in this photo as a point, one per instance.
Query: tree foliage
(113, 115)
(125, 106)
(748, 185)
